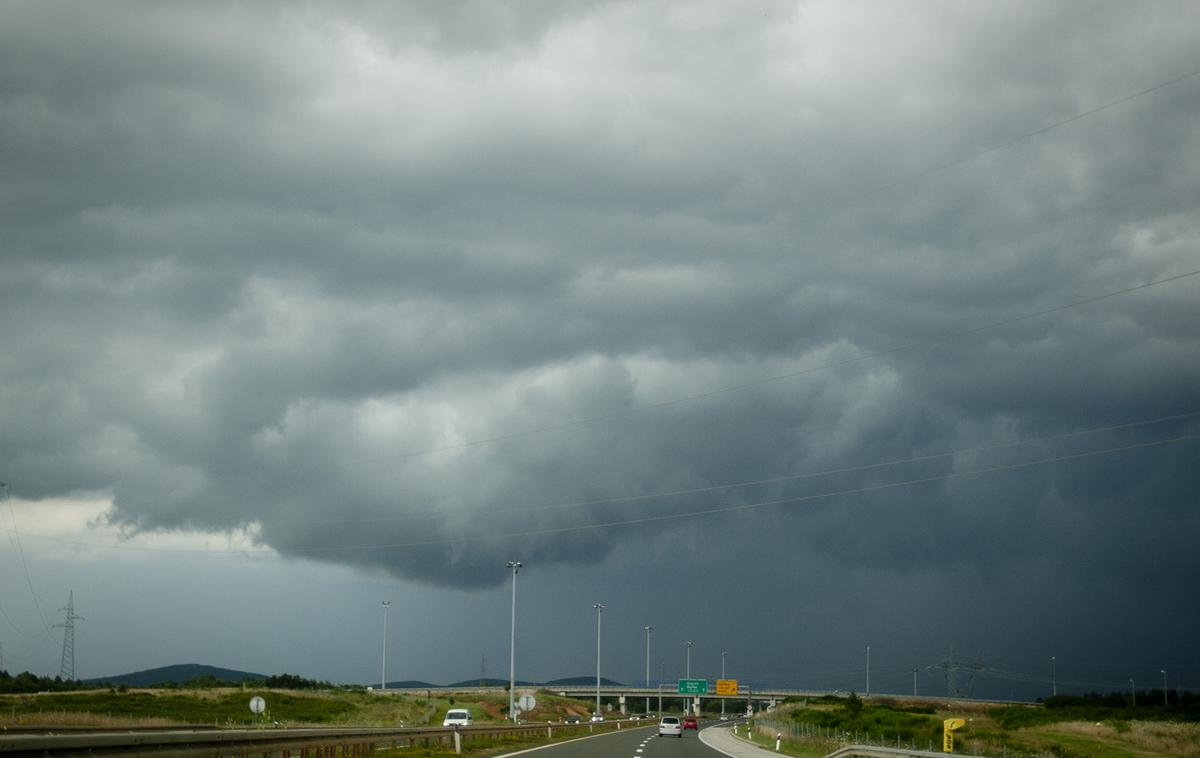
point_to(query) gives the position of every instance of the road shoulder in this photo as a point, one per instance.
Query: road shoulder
(720, 739)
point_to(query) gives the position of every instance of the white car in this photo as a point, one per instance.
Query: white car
(597, 717)
(670, 726)
(457, 717)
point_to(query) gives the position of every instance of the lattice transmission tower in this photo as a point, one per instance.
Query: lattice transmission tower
(66, 671)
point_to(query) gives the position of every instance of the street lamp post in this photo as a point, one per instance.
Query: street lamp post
(383, 666)
(868, 671)
(722, 676)
(513, 566)
(1164, 673)
(1132, 694)
(687, 672)
(599, 610)
(648, 630)
(1053, 676)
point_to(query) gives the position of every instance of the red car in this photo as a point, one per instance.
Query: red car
(690, 723)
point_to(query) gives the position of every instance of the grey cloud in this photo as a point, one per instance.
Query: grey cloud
(282, 266)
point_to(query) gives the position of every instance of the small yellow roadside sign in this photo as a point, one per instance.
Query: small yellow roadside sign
(727, 687)
(948, 727)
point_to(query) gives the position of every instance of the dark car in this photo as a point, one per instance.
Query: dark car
(690, 723)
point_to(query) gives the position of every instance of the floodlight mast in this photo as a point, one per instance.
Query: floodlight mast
(383, 665)
(513, 566)
(599, 610)
(648, 629)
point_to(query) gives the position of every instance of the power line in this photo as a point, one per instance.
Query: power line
(1028, 135)
(782, 501)
(24, 566)
(750, 483)
(770, 379)
(662, 517)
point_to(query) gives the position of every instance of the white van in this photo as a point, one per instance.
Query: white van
(457, 717)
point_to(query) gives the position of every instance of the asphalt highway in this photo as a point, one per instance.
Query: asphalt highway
(642, 742)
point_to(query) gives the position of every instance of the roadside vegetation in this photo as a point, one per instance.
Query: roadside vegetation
(229, 707)
(1063, 727)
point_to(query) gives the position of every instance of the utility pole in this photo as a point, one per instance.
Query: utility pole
(66, 670)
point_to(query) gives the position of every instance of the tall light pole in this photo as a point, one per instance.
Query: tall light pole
(1164, 673)
(383, 667)
(868, 671)
(722, 676)
(599, 610)
(648, 630)
(513, 566)
(1053, 676)
(687, 672)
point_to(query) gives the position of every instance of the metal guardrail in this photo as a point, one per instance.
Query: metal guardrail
(69, 729)
(286, 742)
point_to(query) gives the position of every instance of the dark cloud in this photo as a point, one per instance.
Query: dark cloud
(413, 290)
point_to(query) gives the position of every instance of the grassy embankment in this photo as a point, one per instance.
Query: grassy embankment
(812, 728)
(229, 708)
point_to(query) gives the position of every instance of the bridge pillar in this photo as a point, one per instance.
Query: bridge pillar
(621, 700)
(696, 705)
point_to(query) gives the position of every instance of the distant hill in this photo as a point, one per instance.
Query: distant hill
(177, 674)
(491, 682)
(583, 681)
(186, 672)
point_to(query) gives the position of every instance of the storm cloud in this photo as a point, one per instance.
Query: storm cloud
(419, 289)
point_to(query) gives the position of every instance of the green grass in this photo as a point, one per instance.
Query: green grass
(222, 708)
(796, 748)
(872, 719)
(230, 707)
(1018, 731)
(1078, 745)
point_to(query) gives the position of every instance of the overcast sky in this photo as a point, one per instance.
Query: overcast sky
(787, 328)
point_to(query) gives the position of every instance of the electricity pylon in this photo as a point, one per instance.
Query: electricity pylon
(66, 671)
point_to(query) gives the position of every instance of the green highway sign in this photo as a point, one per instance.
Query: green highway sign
(692, 687)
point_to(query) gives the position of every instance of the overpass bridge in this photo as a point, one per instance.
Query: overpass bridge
(666, 693)
(622, 697)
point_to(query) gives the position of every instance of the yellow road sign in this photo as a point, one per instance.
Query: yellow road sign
(948, 727)
(727, 687)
